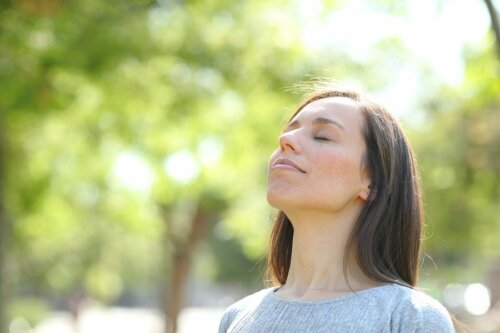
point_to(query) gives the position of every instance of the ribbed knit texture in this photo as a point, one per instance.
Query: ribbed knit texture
(388, 308)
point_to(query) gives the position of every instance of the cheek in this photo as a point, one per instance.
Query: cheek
(339, 168)
(334, 162)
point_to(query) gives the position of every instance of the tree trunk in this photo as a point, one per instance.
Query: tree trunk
(4, 229)
(495, 25)
(181, 263)
(180, 273)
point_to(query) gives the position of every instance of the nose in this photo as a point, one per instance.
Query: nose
(289, 141)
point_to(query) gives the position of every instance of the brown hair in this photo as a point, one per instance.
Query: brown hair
(386, 236)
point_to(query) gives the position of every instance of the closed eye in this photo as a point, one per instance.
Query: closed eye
(321, 138)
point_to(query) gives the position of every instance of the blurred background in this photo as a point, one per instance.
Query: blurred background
(134, 139)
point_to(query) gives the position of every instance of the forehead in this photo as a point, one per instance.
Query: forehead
(341, 109)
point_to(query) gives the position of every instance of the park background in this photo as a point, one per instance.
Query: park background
(134, 139)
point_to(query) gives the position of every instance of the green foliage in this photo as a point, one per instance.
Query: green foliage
(32, 310)
(461, 174)
(90, 82)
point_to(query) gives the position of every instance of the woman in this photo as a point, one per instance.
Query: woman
(344, 250)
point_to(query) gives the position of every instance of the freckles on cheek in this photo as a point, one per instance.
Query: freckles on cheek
(343, 168)
(338, 163)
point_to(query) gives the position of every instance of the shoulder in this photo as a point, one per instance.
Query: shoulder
(435, 317)
(242, 305)
(421, 310)
(250, 300)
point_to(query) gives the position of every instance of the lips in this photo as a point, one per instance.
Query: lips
(284, 163)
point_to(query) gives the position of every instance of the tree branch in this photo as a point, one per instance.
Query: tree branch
(494, 23)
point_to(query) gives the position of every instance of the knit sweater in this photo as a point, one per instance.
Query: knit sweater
(387, 308)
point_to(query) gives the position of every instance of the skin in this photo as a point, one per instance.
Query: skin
(316, 177)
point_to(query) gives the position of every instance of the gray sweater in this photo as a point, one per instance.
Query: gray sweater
(388, 308)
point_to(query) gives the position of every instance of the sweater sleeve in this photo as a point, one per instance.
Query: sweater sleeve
(224, 322)
(436, 319)
(229, 316)
(232, 312)
(236, 309)
(421, 314)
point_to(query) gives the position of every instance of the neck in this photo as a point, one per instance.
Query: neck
(317, 262)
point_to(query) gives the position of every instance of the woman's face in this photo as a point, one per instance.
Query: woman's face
(318, 164)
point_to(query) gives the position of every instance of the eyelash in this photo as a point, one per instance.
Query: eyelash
(321, 138)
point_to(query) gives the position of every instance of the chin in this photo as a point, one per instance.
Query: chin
(274, 200)
(281, 201)
(271, 199)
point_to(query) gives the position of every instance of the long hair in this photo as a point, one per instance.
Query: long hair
(385, 239)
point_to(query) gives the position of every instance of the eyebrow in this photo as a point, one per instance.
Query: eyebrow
(316, 121)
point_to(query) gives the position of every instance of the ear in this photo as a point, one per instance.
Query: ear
(365, 193)
(366, 186)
